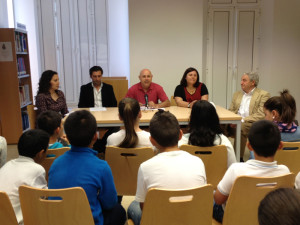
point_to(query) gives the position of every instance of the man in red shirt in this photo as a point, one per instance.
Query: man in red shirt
(146, 90)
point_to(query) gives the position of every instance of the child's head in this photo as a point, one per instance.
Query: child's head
(80, 128)
(264, 137)
(129, 113)
(50, 121)
(164, 129)
(280, 207)
(32, 142)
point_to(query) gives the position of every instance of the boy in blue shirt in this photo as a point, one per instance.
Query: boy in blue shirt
(81, 167)
(50, 121)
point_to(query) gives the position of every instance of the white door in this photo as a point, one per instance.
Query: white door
(232, 48)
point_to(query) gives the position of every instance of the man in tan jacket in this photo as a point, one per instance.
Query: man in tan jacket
(248, 103)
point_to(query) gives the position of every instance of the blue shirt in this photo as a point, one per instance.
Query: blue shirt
(80, 167)
(291, 137)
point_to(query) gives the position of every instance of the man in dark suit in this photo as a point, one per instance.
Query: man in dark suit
(98, 94)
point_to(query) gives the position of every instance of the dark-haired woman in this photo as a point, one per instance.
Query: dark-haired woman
(132, 136)
(48, 96)
(190, 89)
(282, 111)
(205, 129)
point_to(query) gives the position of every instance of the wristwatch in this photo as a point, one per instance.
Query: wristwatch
(189, 105)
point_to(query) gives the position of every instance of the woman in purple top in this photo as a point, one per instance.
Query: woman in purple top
(48, 96)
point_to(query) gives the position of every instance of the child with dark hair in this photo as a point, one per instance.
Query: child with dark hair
(50, 121)
(171, 168)
(132, 136)
(280, 207)
(264, 140)
(26, 169)
(205, 129)
(81, 167)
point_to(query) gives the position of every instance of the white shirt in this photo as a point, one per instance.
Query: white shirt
(3, 151)
(17, 172)
(245, 103)
(170, 170)
(222, 140)
(97, 95)
(250, 168)
(116, 138)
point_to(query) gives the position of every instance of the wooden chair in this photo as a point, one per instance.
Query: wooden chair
(7, 214)
(120, 86)
(214, 159)
(173, 102)
(32, 114)
(290, 158)
(68, 207)
(124, 164)
(178, 207)
(246, 194)
(52, 154)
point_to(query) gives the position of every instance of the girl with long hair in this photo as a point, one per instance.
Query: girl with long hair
(205, 129)
(132, 136)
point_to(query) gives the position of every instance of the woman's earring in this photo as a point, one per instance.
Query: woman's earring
(273, 117)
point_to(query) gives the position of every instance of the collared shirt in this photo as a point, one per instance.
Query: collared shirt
(155, 93)
(245, 104)
(17, 172)
(252, 167)
(97, 95)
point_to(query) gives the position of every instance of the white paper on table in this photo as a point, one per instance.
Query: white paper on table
(97, 109)
(144, 108)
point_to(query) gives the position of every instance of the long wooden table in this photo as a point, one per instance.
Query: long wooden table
(110, 118)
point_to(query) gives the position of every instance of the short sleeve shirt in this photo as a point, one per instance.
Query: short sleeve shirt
(170, 170)
(200, 91)
(155, 93)
(250, 168)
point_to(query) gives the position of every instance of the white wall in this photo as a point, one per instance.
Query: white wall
(280, 47)
(25, 13)
(118, 38)
(3, 14)
(166, 37)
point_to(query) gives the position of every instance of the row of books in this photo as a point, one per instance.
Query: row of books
(21, 42)
(25, 120)
(21, 66)
(24, 94)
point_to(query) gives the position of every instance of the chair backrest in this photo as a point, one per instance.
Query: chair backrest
(52, 154)
(68, 206)
(214, 159)
(7, 214)
(124, 164)
(192, 206)
(120, 86)
(289, 156)
(173, 102)
(31, 111)
(246, 194)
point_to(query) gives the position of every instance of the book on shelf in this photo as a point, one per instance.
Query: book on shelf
(21, 42)
(25, 120)
(21, 66)
(22, 95)
(27, 93)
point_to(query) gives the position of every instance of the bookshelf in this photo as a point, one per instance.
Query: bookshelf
(15, 83)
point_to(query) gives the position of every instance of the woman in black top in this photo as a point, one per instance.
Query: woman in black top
(190, 89)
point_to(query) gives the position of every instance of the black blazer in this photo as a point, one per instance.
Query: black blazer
(86, 98)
